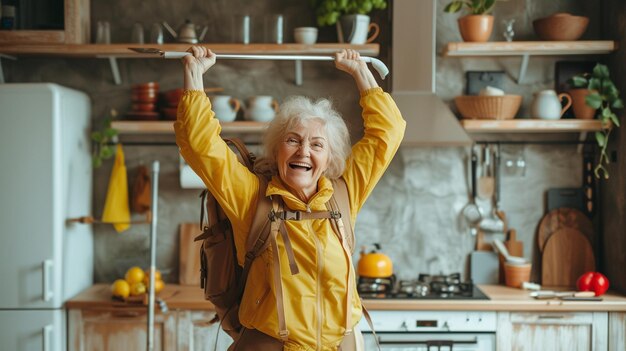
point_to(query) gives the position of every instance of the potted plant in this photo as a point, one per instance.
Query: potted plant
(350, 17)
(102, 141)
(478, 24)
(599, 93)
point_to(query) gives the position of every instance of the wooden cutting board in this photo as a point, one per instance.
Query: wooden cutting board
(563, 218)
(566, 256)
(189, 255)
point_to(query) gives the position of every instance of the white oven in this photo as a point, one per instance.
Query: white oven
(431, 330)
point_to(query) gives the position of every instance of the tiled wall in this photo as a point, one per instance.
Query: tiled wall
(413, 212)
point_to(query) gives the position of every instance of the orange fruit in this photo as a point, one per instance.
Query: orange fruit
(137, 289)
(134, 275)
(158, 284)
(146, 278)
(120, 288)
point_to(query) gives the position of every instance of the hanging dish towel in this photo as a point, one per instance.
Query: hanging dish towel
(142, 198)
(116, 209)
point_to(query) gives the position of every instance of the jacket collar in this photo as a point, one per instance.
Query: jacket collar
(317, 202)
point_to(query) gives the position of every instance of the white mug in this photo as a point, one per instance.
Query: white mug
(261, 108)
(353, 29)
(225, 107)
(547, 104)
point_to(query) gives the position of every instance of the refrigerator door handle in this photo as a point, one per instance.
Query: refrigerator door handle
(47, 292)
(47, 332)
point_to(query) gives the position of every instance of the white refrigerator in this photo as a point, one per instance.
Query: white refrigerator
(45, 178)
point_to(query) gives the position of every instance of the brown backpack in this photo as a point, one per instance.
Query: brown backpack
(221, 277)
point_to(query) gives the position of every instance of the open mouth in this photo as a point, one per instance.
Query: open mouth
(300, 166)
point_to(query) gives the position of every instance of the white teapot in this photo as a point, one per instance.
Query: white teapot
(547, 104)
(225, 107)
(261, 108)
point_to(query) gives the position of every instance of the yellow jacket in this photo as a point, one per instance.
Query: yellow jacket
(315, 298)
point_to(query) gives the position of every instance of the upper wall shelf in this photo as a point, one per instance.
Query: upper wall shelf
(167, 127)
(114, 51)
(520, 125)
(122, 51)
(525, 49)
(534, 48)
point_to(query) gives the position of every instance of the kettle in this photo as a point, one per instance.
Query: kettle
(374, 264)
(186, 33)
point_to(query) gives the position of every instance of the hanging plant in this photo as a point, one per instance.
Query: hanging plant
(605, 97)
(103, 139)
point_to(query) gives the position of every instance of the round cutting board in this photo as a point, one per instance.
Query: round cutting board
(566, 256)
(560, 218)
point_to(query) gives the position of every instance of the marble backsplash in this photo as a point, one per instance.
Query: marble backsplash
(413, 212)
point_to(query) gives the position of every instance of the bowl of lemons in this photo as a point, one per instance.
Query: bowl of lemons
(136, 285)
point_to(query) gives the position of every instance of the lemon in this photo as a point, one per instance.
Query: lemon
(134, 275)
(137, 289)
(146, 279)
(120, 288)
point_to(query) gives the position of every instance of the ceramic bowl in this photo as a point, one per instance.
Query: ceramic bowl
(305, 35)
(561, 27)
(143, 106)
(172, 97)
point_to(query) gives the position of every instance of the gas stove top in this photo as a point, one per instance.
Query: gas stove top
(426, 286)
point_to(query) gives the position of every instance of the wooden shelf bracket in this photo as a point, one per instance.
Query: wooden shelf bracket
(1, 71)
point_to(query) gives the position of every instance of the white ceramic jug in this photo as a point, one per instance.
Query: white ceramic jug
(225, 107)
(261, 108)
(547, 104)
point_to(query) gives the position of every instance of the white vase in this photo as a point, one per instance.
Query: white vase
(261, 108)
(225, 107)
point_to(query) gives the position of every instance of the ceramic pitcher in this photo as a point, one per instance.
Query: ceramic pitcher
(225, 107)
(261, 108)
(547, 104)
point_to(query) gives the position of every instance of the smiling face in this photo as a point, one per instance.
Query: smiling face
(302, 158)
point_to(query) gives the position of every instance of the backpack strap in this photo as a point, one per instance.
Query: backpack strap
(278, 285)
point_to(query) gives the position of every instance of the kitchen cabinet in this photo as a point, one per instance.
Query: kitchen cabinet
(76, 18)
(617, 331)
(197, 331)
(118, 329)
(581, 331)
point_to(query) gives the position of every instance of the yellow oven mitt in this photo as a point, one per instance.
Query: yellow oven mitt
(116, 208)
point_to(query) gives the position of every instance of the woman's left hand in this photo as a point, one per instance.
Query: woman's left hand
(349, 61)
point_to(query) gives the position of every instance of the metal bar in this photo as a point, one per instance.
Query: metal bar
(523, 67)
(115, 70)
(153, 230)
(298, 73)
(537, 142)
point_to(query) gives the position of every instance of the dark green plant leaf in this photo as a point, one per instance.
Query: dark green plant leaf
(606, 112)
(453, 7)
(594, 100)
(594, 84)
(96, 162)
(601, 71)
(110, 132)
(600, 138)
(106, 152)
(617, 103)
(96, 136)
(614, 119)
(579, 82)
(488, 6)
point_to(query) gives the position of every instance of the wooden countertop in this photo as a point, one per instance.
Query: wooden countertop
(502, 298)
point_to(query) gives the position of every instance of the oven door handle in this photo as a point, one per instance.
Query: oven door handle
(428, 342)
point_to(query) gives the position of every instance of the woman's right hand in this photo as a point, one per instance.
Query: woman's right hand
(201, 59)
(196, 64)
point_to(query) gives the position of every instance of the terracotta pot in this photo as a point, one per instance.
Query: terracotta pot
(476, 28)
(581, 109)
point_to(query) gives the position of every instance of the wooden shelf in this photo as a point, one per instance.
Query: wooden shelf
(533, 48)
(531, 126)
(122, 51)
(167, 127)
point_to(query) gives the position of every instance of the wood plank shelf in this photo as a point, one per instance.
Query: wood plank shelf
(533, 48)
(531, 126)
(122, 51)
(167, 127)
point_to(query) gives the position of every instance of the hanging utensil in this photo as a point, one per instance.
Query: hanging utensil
(471, 211)
(495, 223)
(378, 65)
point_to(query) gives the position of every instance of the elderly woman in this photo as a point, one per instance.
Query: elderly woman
(307, 145)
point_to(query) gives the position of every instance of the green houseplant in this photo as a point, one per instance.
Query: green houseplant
(102, 139)
(603, 96)
(478, 24)
(328, 12)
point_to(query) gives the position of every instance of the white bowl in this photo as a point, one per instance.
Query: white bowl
(305, 35)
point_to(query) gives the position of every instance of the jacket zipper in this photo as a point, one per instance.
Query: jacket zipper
(320, 268)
